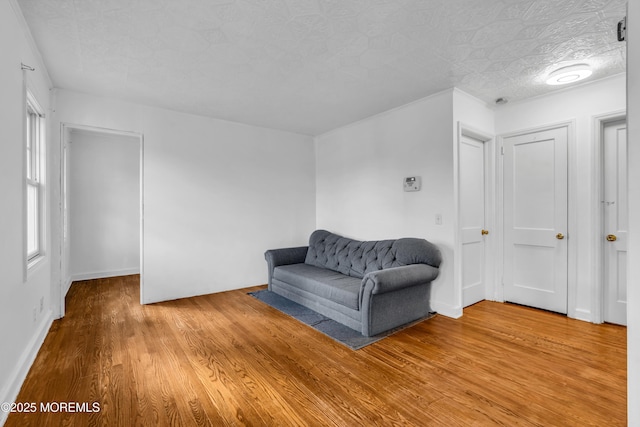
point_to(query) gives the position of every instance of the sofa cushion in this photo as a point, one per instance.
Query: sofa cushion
(355, 258)
(328, 284)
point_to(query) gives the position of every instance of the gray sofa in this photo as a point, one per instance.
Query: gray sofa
(368, 286)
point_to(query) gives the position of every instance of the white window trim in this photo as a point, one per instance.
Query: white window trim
(32, 260)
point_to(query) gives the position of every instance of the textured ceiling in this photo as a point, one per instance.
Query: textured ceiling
(310, 66)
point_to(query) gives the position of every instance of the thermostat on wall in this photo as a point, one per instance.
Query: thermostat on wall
(412, 183)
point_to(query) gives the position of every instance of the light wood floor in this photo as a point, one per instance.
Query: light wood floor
(228, 359)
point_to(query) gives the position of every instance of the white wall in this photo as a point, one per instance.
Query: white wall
(633, 277)
(104, 208)
(21, 334)
(579, 105)
(359, 175)
(216, 194)
(473, 113)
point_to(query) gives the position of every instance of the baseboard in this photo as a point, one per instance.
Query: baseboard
(67, 286)
(446, 309)
(10, 391)
(104, 274)
(582, 314)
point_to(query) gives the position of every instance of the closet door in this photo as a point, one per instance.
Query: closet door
(535, 219)
(472, 219)
(615, 222)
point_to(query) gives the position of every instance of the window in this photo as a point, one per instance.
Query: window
(34, 173)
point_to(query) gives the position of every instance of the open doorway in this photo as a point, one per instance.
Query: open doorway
(101, 207)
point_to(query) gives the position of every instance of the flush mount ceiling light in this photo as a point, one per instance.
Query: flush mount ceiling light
(570, 74)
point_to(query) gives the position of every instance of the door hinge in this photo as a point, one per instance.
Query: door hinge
(502, 150)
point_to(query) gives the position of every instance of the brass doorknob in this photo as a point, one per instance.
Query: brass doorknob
(559, 236)
(485, 232)
(611, 237)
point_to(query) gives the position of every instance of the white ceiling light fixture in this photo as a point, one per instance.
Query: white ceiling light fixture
(570, 74)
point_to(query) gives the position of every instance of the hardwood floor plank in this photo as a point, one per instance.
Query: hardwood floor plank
(229, 359)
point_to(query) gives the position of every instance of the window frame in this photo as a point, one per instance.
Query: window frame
(34, 174)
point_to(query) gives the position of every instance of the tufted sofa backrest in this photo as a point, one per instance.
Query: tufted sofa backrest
(355, 258)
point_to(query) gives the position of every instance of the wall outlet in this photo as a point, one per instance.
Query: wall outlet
(438, 219)
(41, 304)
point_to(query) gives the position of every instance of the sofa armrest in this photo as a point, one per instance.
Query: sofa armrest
(284, 256)
(395, 296)
(392, 279)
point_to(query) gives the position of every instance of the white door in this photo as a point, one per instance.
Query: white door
(535, 219)
(472, 219)
(615, 222)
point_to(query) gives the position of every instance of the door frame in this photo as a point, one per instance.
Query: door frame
(65, 131)
(572, 185)
(489, 207)
(598, 124)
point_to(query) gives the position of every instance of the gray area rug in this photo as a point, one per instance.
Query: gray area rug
(343, 334)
